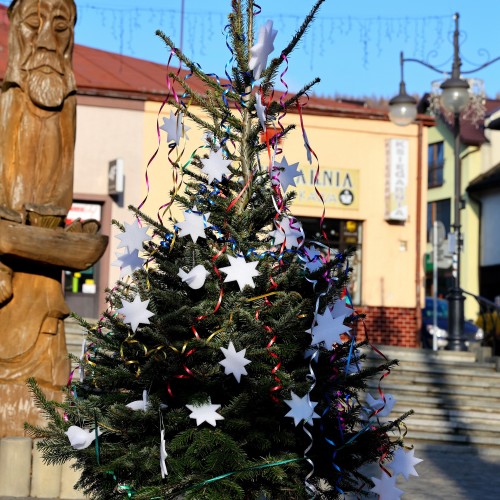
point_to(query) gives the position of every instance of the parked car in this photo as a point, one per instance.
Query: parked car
(472, 332)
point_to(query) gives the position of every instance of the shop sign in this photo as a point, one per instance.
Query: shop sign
(338, 187)
(396, 180)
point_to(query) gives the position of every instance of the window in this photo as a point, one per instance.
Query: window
(435, 165)
(438, 211)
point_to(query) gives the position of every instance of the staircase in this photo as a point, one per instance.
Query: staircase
(455, 395)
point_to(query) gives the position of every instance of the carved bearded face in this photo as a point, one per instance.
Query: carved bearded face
(40, 49)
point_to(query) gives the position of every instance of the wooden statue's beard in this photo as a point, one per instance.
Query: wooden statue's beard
(47, 90)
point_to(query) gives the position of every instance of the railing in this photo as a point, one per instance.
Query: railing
(489, 320)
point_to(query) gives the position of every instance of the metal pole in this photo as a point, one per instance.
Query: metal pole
(455, 297)
(434, 284)
(182, 26)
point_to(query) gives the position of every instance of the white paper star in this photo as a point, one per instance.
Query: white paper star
(215, 166)
(133, 237)
(328, 330)
(174, 127)
(241, 271)
(235, 361)
(301, 409)
(128, 262)
(376, 404)
(194, 224)
(195, 278)
(287, 173)
(205, 413)
(261, 111)
(340, 308)
(403, 462)
(135, 312)
(80, 438)
(288, 229)
(261, 50)
(386, 487)
(163, 455)
(313, 256)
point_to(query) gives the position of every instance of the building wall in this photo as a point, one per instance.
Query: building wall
(389, 277)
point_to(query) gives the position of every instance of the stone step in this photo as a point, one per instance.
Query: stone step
(447, 413)
(460, 426)
(429, 437)
(417, 355)
(447, 370)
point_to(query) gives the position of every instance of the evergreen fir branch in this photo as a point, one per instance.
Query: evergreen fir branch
(269, 73)
(276, 107)
(48, 408)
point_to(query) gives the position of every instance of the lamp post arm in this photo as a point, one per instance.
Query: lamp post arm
(485, 65)
(423, 63)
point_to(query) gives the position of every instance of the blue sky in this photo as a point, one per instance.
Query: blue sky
(353, 47)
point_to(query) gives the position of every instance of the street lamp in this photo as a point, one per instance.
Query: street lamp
(455, 98)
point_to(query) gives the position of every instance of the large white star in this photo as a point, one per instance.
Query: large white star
(286, 173)
(261, 50)
(194, 224)
(403, 462)
(128, 262)
(261, 110)
(328, 330)
(133, 236)
(215, 166)
(289, 230)
(235, 361)
(135, 312)
(386, 487)
(241, 271)
(174, 127)
(163, 455)
(301, 409)
(205, 413)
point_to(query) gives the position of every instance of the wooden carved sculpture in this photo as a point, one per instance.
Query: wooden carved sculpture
(37, 137)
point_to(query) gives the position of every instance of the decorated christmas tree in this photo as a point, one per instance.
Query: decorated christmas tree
(227, 364)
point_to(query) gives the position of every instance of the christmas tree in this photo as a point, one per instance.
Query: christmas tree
(226, 365)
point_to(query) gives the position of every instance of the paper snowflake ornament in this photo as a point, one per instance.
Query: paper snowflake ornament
(376, 404)
(135, 312)
(261, 111)
(128, 262)
(80, 438)
(328, 330)
(194, 224)
(289, 231)
(385, 487)
(205, 413)
(262, 49)
(215, 166)
(286, 173)
(163, 455)
(234, 362)
(241, 271)
(313, 256)
(175, 128)
(340, 308)
(133, 237)
(403, 462)
(140, 404)
(302, 409)
(195, 278)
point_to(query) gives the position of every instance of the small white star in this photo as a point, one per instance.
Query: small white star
(403, 462)
(301, 409)
(313, 256)
(194, 224)
(261, 111)
(340, 308)
(241, 271)
(386, 487)
(235, 361)
(163, 455)
(128, 262)
(261, 50)
(133, 236)
(215, 166)
(174, 127)
(328, 330)
(290, 230)
(286, 173)
(135, 312)
(205, 413)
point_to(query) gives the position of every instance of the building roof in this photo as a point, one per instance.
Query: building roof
(487, 180)
(106, 74)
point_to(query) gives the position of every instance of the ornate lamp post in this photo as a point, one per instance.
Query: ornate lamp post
(455, 98)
